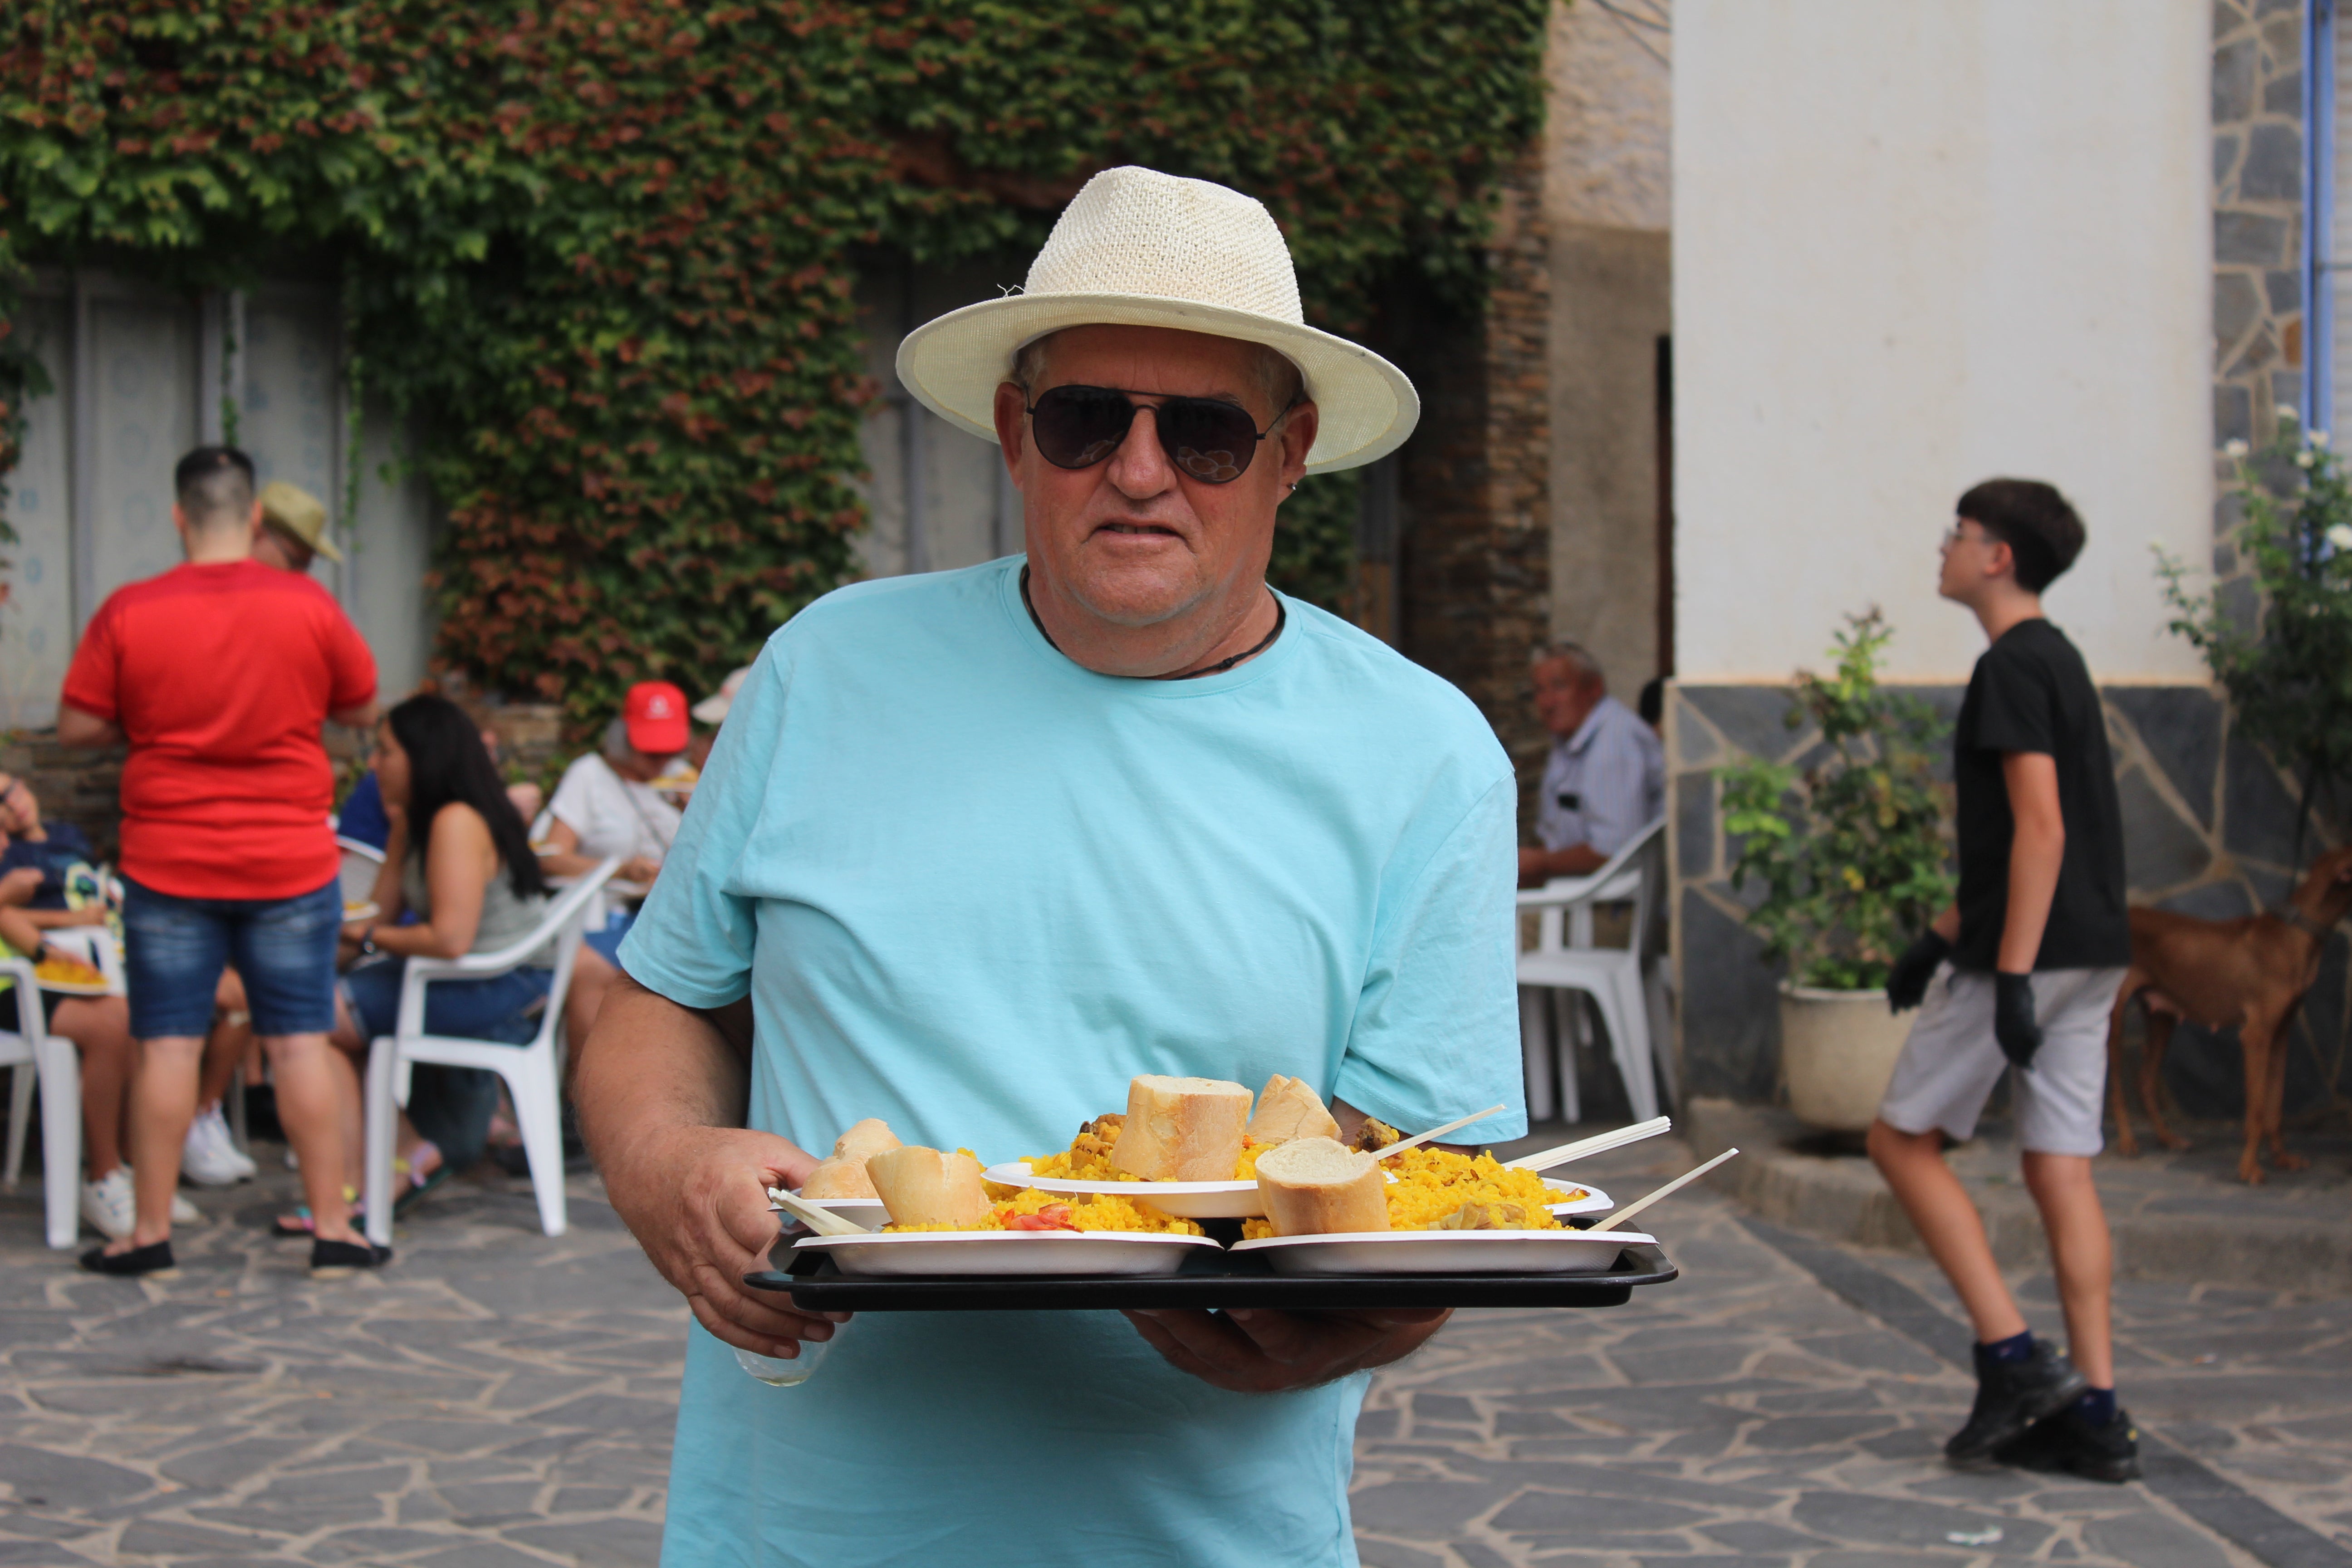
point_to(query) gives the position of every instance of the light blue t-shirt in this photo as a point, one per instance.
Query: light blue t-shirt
(973, 887)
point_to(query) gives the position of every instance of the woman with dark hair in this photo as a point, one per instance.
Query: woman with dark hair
(459, 859)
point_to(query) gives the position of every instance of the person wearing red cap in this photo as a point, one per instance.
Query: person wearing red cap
(605, 805)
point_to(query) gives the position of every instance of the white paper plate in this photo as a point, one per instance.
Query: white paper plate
(1594, 1199)
(364, 910)
(871, 1213)
(1002, 1252)
(1444, 1251)
(1230, 1200)
(1185, 1200)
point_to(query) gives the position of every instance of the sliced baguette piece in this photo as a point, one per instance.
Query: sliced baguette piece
(923, 1187)
(1318, 1186)
(1181, 1129)
(1288, 1109)
(842, 1175)
(869, 1137)
(839, 1178)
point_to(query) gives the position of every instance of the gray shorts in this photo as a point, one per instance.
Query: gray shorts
(1950, 1062)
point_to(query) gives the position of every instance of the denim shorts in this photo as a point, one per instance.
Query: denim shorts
(284, 949)
(503, 1008)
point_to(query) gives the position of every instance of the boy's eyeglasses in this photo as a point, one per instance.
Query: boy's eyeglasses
(1209, 441)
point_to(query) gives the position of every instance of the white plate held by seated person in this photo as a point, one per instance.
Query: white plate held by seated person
(892, 1254)
(1185, 1200)
(1444, 1251)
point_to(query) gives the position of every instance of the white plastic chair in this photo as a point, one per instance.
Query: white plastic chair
(1564, 959)
(533, 1075)
(31, 1051)
(358, 873)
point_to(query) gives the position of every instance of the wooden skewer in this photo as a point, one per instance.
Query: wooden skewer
(1599, 1144)
(1402, 1144)
(1685, 1180)
(824, 1221)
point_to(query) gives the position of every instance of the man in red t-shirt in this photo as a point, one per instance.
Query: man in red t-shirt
(219, 673)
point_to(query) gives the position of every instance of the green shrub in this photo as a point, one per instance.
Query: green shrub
(1850, 851)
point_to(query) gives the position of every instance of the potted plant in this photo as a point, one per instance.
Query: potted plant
(1849, 851)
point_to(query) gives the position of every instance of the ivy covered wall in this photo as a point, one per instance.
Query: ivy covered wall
(601, 253)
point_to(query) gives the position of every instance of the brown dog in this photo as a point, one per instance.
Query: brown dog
(2250, 972)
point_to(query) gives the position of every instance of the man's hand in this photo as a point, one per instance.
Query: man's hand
(639, 869)
(696, 1200)
(2013, 1017)
(1258, 1350)
(1907, 980)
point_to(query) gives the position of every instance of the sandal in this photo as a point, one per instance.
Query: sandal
(298, 1225)
(418, 1185)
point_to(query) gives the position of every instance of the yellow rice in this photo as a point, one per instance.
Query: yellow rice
(1433, 1183)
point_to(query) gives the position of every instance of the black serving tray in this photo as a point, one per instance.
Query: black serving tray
(1208, 1280)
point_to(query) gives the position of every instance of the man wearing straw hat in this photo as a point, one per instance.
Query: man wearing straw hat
(293, 529)
(1189, 826)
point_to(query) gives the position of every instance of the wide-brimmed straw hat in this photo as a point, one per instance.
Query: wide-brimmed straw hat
(1140, 247)
(297, 512)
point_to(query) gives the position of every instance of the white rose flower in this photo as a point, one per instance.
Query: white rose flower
(2340, 536)
(2289, 415)
(2233, 448)
(2303, 459)
(2319, 437)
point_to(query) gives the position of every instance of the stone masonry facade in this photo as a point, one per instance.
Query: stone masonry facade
(1475, 560)
(2258, 217)
(2209, 829)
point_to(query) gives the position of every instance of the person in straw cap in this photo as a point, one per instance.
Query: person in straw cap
(1190, 825)
(293, 529)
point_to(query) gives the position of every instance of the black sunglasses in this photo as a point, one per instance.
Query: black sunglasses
(1212, 441)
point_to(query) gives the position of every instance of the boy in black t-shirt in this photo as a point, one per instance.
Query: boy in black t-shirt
(2021, 973)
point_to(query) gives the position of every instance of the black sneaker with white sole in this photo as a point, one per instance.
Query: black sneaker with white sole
(2010, 1397)
(2069, 1443)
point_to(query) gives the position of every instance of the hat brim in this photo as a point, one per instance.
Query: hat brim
(322, 544)
(712, 710)
(953, 364)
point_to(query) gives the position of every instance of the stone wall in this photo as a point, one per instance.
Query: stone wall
(2258, 217)
(2209, 829)
(1474, 564)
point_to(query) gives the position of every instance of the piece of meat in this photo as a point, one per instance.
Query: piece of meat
(1052, 1217)
(1375, 1134)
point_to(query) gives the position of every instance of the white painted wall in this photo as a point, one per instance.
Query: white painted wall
(1916, 245)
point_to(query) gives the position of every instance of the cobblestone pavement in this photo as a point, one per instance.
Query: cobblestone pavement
(503, 1400)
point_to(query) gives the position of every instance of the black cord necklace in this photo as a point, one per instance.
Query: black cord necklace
(1281, 619)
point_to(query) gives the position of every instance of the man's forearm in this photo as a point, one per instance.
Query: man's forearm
(651, 1066)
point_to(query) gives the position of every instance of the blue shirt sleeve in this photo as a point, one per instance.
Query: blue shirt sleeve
(693, 939)
(1436, 1032)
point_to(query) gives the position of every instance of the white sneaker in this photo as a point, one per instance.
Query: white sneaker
(110, 1208)
(107, 1205)
(211, 1158)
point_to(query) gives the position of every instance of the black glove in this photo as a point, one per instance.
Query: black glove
(1906, 981)
(2013, 1017)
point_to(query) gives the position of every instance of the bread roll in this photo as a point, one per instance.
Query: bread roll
(838, 1178)
(1315, 1187)
(1288, 1109)
(1181, 1129)
(869, 1137)
(923, 1187)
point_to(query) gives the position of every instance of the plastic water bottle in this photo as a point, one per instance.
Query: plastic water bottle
(780, 1373)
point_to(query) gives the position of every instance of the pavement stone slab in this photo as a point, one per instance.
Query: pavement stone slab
(500, 1399)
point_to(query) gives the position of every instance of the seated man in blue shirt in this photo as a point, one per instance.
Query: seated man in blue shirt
(1194, 828)
(1606, 778)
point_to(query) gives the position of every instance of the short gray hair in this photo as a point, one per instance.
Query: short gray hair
(1277, 376)
(1578, 658)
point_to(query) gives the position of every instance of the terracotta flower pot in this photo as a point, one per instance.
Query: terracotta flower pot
(1837, 1051)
